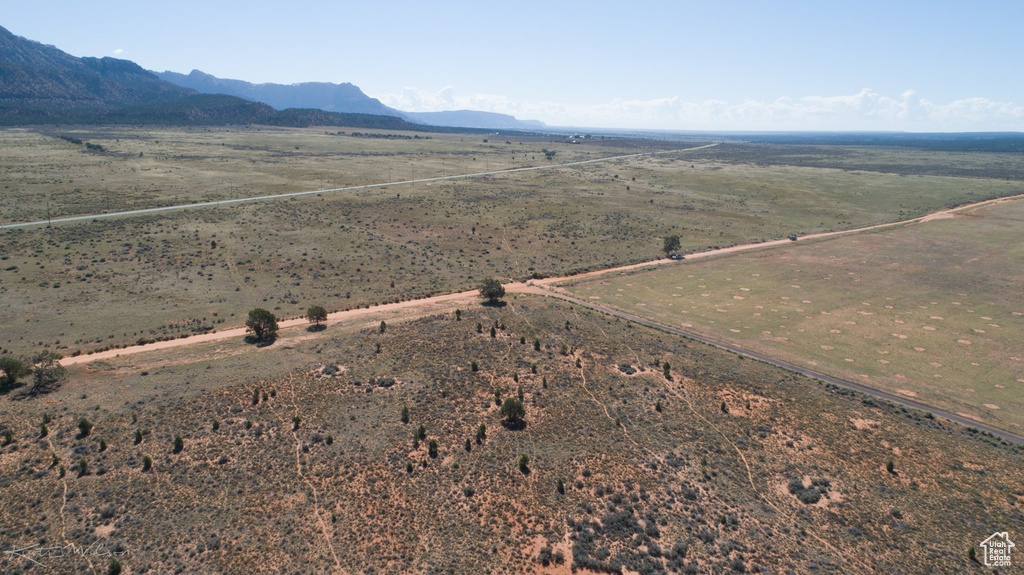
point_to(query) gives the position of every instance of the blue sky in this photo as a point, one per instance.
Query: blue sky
(723, 65)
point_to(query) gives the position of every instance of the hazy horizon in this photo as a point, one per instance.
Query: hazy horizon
(736, 66)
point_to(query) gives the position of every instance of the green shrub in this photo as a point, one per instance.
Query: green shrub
(796, 485)
(809, 496)
(179, 444)
(84, 427)
(513, 411)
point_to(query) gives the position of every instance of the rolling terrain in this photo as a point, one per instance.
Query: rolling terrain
(692, 473)
(641, 451)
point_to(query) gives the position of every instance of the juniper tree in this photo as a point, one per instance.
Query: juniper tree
(262, 324)
(316, 314)
(670, 244)
(492, 290)
(513, 411)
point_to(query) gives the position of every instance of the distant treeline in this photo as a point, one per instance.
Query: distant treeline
(203, 110)
(386, 136)
(88, 145)
(945, 142)
(216, 110)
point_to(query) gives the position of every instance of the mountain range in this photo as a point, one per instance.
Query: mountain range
(344, 97)
(40, 84)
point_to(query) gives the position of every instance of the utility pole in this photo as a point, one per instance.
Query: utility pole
(47, 214)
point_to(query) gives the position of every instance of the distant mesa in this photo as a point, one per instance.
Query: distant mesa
(40, 84)
(345, 98)
(473, 119)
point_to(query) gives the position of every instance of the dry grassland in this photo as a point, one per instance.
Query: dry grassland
(295, 458)
(930, 311)
(84, 286)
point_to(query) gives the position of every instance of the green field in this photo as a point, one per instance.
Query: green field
(84, 286)
(931, 311)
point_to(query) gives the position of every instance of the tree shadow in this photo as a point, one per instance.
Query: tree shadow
(316, 327)
(260, 342)
(6, 388)
(494, 303)
(514, 425)
(34, 391)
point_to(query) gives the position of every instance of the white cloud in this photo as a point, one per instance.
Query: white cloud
(865, 110)
(118, 51)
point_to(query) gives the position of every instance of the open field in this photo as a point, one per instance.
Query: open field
(683, 475)
(930, 311)
(85, 286)
(890, 160)
(145, 168)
